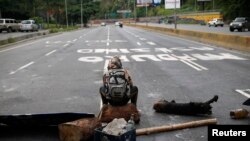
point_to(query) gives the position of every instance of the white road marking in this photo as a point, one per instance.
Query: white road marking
(74, 40)
(151, 43)
(47, 42)
(203, 44)
(50, 53)
(23, 67)
(124, 50)
(18, 46)
(56, 42)
(243, 92)
(65, 45)
(138, 43)
(143, 39)
(204, 68)
(184, 61)
(98, 82)
(120, 41)
(188, 60)
(80, 37)
(108, 37)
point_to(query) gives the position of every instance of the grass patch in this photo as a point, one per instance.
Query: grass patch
(55, 30)
(11, 40)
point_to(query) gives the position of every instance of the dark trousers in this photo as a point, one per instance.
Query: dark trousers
(125, 100)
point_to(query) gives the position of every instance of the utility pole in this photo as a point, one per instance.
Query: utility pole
(213, 5)
(81, 16)
(195, 5)
(175, 22)
(66, 13)
(135, 10)
(146, 13)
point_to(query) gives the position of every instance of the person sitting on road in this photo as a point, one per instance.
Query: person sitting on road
(117, 87)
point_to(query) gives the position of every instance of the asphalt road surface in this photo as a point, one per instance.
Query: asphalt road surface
(63, 73)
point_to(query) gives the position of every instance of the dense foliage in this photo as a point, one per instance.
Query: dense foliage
(50, 11)
(53, 11)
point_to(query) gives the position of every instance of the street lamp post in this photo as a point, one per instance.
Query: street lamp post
(175, 22)
(81, 16)
(66, 13)
(213, 5)
(146, 11)
(195, 5)
(135, 11)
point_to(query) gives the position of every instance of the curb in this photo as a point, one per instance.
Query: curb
(20, 39)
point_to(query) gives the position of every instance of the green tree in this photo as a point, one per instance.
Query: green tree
(234, 8)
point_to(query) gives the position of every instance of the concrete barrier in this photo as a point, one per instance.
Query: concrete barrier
(241, 43)
(11, 40)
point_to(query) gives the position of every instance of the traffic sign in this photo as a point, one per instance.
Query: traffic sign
(123, 11)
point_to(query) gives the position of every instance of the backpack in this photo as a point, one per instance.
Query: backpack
(117, 84)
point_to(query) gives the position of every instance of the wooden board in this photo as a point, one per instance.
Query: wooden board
(108, 113)
(82, 129)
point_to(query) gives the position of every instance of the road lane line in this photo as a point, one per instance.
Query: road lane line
(18, 46)
(74, 40)
(65, 45)
(23, 67)
(204, 68)
(243, 93)
(108, 37)
(151, 43)
(184, 61)
(138, 43)
(50, 53)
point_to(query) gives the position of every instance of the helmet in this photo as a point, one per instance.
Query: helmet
(115, 63)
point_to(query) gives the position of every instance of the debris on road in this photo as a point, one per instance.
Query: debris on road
(165, 128)
(191, 108)
(116, 127)
(247, 102)
(46, 119)
(109, 112)
(239, 114)
(81, 129)
(117, 130)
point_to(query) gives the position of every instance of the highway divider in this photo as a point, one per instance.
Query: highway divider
(241, 43)
(16, 39)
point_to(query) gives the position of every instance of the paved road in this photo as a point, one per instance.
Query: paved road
(63, 73)
(202, 28)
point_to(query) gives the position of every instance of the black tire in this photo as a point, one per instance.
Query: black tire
(9, 30)
(240, 29)
(222, 25)
(231, 29)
